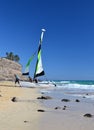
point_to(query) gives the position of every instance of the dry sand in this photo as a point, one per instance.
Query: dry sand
(20, 115)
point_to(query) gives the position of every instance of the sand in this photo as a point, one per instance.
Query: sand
(20, 115)
(23, 114)
(71, 118)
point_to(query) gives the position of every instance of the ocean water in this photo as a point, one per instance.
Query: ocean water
(75, 84)
(72, 88)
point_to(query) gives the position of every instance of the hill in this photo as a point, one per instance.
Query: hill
(8, 68)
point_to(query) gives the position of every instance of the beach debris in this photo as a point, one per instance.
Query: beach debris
(88, 115)
(40, 110)
(65, 100)
(84, 97)
(0, 95)
(86, 93)
(64, 107)
(44, 97)
(57, 108)
(77, 100)
(25, 121)
(14, 99)
(42, 92)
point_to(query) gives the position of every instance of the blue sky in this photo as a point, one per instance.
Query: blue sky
(68, 44)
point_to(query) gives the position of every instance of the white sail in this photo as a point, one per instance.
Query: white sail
(39, 69)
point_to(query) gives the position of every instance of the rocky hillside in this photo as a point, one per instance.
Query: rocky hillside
(8, 68)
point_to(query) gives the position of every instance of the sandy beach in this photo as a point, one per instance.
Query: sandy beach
(20, 115)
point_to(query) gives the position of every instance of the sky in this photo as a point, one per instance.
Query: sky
(68, 44)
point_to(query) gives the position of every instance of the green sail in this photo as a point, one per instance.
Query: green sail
(26, 72)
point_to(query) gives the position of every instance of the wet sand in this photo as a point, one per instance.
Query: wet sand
(69, 115)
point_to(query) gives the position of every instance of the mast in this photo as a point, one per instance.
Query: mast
(39, 69)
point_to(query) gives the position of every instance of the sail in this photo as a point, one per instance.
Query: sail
(26, 72)
(39, 69)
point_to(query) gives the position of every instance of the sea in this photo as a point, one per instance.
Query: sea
(74, 84)
(70, 89)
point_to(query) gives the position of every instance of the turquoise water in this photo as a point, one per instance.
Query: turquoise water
(71, 89)
(74, 84)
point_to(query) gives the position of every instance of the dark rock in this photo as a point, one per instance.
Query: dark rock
(40, 110)
(57, 108)
(77, 100)
(63, 108)
(44, 97)
(65, 100)
(42, 92)
(14, 99)
(88, 115)
(25, 121)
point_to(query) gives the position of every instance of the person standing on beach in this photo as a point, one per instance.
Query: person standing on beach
(35, 80)
(17, 79)
(30, 79)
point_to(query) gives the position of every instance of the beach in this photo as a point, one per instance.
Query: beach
(22, 114)
(58, 109)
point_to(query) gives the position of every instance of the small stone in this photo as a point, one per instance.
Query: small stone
(63, 108)
(25, 121)
(88, 115)
(77, 100)
(40, 110)
(44, 97)
(57, 107)
(42, 92)
(14, 99)
(65, 100)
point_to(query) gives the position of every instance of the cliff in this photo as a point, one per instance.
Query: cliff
(8, 68)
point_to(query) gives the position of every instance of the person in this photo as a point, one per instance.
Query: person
(30, 79)
(17, 79)
(35, 80)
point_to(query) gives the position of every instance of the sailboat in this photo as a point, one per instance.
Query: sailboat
(39, 71)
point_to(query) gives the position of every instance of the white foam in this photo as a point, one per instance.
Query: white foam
(75, 86)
